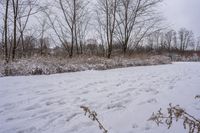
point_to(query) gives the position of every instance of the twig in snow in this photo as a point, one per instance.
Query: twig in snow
(176, 113)
(93, 116)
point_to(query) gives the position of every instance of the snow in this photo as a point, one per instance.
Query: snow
(124, 99)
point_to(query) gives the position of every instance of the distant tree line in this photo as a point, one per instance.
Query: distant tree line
(77, 27)
(171, 40)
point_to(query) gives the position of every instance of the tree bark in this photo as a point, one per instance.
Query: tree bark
(6, 32)
(15, 11)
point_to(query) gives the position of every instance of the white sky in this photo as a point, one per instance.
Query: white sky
(183, 13)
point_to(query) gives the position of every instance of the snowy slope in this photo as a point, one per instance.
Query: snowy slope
(123, 98)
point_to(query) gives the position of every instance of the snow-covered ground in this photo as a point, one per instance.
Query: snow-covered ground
(123, 98)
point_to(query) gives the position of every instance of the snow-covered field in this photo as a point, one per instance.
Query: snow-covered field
(123, 98)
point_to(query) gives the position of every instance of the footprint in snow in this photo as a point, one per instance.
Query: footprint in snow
(20, 94)
(147, 127)
(171, 87)
(28, 130)
(127, 90)
(72, 116)
(119, 105)
(102, 90)
(150, 101)
(135, 126)
(10, 119)
(33, 107)
(109, 95)
(61, 102)
(85, 92)
(153, 100)
(8, 106)
(121, 83)
(49, 103)
(152, 91)
(76, 128)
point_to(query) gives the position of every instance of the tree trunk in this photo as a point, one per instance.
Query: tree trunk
(6, 32)
(15, 10)
(109, 52)
(15, 39)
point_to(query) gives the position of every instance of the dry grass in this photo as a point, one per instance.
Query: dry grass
(176, 113)
(52, 65)
(93, 116)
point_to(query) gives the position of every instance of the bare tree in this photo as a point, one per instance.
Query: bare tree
(198, 44)
(72, 12)
(175, 44)
(30, 43)
(69, 25)
(107, 12)
(169, 39)
(15, 5)
(20, 13)
(2, 41)
(43, 27)
(158, 39)
(143, 30)
(5, 32)
(132, 13)
(61, 35)
(27, 8)
(154, 40)
(100, 32)
(81, 34)
(185, 39)
(82, 27)
(5, 6)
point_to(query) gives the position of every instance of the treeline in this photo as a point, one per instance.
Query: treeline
(171, 40)
(77, 27)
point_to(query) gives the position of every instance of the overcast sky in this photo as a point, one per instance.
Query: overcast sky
(183, 13)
